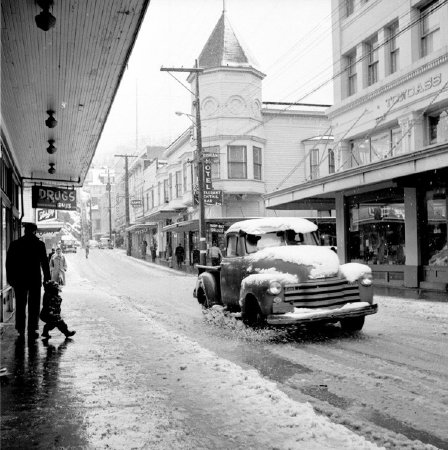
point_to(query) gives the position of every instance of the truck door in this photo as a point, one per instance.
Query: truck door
(232, 271)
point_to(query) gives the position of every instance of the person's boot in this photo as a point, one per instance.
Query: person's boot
(45, 333)
(69, 333)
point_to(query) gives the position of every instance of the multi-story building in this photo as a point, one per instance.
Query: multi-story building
(96, 203)
(390, 126)
(253, 148)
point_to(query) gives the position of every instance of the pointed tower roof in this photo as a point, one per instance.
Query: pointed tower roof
(224, 49)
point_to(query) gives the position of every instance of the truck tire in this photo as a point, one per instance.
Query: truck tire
(353, 324)
(251, 313)
(207, 294)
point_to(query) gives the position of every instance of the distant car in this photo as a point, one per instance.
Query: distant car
(68, 245)
(105, 243)
(93, 243)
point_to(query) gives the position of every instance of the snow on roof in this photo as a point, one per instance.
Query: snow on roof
(323, 261)
(272, 224)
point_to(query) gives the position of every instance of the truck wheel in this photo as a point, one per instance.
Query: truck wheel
(353, 324)
(251, 313)
(207, 291)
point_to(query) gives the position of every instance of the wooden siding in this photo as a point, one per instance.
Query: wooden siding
(73, 69)
(284, 149)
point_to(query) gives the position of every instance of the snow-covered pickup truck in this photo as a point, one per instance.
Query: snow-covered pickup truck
(276, 272)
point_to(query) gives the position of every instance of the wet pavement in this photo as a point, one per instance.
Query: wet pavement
(137, 375)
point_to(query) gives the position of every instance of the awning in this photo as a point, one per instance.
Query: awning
(142, 227)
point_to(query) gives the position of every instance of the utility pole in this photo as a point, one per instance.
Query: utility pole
(108, 187)
(200, 165)
(126, 200)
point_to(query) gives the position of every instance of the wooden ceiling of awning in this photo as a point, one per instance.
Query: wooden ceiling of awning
(73, 69)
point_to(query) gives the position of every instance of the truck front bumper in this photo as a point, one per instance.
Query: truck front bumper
(306, 315)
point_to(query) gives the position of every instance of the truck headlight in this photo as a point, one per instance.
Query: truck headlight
(366, 279)
(275, 288)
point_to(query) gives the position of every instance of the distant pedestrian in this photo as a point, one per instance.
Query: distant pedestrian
(215, 254)
(180, 255)
(51, 311)
(53, 251)
(58, 267)
(87, 250)
(144, 247)
(25, 258)
(153, 250)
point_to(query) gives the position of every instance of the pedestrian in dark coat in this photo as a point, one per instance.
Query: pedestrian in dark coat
(51, 311)
(180, 255)
(25, 259)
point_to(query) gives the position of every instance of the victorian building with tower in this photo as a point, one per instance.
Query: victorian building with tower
(249, 148)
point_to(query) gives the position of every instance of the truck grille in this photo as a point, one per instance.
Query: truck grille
(318, 293)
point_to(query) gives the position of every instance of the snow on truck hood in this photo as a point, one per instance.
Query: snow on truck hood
(272, 224)
(323, 261)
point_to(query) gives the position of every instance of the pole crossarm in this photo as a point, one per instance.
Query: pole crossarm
(181, 69)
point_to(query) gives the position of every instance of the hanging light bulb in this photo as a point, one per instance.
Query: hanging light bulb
(45, 20)
(51, 170)
(51, 148)
(51, 122)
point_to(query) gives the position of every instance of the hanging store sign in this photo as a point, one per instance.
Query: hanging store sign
(136, 203)
(216, 227)
(213, 197)
(45, 215)
(47, 197)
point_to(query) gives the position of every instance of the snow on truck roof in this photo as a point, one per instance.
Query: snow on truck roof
(272, 224)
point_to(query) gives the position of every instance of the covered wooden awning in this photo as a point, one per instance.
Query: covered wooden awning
(72, 70)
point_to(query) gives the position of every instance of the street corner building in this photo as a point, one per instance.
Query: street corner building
(390, 125)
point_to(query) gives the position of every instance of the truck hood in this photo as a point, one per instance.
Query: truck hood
(305, 261)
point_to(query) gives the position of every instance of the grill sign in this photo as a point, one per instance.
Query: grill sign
(47, 197)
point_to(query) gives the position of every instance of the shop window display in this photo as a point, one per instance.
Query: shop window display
(436, 249)
(377, 233)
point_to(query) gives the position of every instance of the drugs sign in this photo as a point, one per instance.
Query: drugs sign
(49, 197)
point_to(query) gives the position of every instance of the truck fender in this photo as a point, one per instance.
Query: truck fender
(206, 290)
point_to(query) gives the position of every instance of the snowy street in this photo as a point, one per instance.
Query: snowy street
(148, 369)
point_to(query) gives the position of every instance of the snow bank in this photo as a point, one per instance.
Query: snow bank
(353, 271)
(323, 261)
(271, 224)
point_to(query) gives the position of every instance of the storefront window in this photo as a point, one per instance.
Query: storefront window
(435, 252)
(377, 233)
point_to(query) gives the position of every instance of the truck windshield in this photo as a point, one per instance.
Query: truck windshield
(278, 239)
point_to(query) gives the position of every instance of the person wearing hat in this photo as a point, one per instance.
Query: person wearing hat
(26, 259)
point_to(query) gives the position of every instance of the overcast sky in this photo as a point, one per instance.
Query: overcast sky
(290, 39)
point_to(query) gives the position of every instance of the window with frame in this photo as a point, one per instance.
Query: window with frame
(178, 184)
(430, 28)
(151, 199)
(185, 176)
(349, 7)
(159, 192)
(257, 163)
(437, 127)
(170, 186)
(394, 51)
(314, 163)
(371, 49)
(166, 197)
(331, 162)
(237, 161)
(351, 74)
